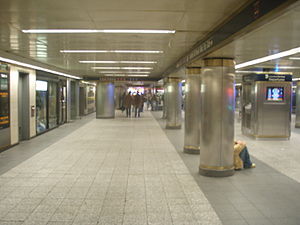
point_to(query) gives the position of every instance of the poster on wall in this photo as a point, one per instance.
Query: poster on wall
(4, 96)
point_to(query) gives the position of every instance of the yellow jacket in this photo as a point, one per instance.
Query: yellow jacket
(238, 162)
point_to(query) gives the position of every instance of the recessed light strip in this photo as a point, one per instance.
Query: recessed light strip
(294, 58)
(108, 62)
(146, 72)
(37, 68)
(88, 31)
(121, 68)
(268, 58)
(263, 72)
(113, 51)
(138, 75)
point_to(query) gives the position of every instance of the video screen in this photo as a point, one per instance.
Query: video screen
(275, 94)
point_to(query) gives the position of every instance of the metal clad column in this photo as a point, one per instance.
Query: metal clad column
(217, 118)
(165, 102)
(174, 100)
(105, 102)
(298, 105)
(192, 111)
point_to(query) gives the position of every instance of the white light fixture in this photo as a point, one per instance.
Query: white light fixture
(124, 72)
(108, 62)
(37, 68)
(114, 75)
(268, 58)
(296, 79)
(138, 75)
(121, 68)
(288, 67)
(88, 31)
(263, 72)
(113, 51)
(294, 58)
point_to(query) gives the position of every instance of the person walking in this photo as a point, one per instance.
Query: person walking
(137, 102)
(127, 104)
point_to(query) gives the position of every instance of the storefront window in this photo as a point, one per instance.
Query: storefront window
(4, 101)
(52, 105)
(41, 106)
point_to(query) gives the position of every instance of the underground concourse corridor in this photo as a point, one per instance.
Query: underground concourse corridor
(121, 171)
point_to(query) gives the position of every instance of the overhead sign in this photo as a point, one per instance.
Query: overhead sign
(267, 77)
(245, 17)
(120, 79)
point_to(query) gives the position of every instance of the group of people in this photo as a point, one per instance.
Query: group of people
(135, 101)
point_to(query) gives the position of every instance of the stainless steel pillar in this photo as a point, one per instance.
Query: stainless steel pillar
(297, 125)
(192, 111)
(165, 102)
(105, 102)
(174, 100)
(217, 118)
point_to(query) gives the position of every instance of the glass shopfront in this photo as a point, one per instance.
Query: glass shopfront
(53, 105)
(41, 106)
(46, 105)
(4, 101)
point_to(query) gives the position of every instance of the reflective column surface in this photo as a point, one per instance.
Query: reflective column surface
(298, 105)
(174, 101)
(217, 118)
(192, 111)
(165, 102)
(105, 103)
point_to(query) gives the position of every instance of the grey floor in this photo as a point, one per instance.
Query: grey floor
(137, 177)
(121, 171)
(260, 196)
(26, 149)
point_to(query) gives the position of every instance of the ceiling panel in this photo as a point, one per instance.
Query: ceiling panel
(192, 19)
(278, 35)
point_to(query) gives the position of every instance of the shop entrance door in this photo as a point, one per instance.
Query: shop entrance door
(62, 102)
(23, 106)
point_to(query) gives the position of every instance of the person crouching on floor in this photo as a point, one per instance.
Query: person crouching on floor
(241, 156)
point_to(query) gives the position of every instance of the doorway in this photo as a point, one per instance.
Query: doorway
(23, 106)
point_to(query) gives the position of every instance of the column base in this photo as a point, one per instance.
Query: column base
(105, 117)
(171, 127)
(222, 172)
(191, 150)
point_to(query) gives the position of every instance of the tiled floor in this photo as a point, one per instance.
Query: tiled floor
(121, 171)
(268, 194)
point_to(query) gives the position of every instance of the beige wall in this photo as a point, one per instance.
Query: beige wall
(13, 85)
(14, 81)
(32, 102)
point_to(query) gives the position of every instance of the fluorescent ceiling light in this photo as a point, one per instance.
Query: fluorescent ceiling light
(37, 68)
(88, 31)
(137, 62)
(121, 68)
(138, 75)
(124, 72)
(114, 75)
(112, 51)
(263, 72)
(288, 67)
(268, 58)
(296, 79)
(294, 58)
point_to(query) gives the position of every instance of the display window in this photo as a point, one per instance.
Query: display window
(4, 101)
(46, 105)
